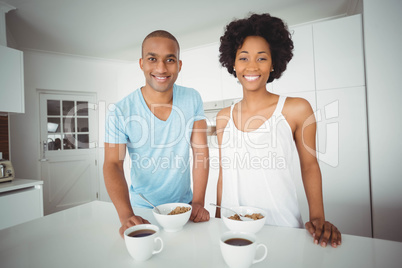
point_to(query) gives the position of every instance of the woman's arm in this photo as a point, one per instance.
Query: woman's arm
(221, 122)
(303, 124)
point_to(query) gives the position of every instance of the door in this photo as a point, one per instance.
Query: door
(68, 140)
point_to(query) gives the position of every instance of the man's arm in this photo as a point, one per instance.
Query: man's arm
(200, 170)
(116, 185)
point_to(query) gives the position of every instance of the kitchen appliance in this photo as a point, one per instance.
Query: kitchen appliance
(211, 110)
(6, 171)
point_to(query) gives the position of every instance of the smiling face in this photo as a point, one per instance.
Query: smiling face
(160, 63)
(253, 63)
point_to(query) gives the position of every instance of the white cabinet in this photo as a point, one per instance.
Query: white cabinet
(231, 88)
(11, 80)
(338, 53)
(201, 70)
(343, 158)
(299, 74)
(20, 201)
(328, 71)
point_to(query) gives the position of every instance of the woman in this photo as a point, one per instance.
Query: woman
(259, 135)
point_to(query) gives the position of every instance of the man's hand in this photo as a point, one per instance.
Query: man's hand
(324, 230)
(199, 213)
(133, 220)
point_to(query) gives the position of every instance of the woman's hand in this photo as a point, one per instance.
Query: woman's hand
(324, 231)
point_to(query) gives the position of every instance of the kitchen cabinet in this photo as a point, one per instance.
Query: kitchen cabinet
(231, 88)
(343, 158)
(20, 201)
(338, 53)
(299, 75)
(201, 70)
(335, 88)
(11, 80)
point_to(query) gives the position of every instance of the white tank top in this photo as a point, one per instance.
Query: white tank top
(257, 169)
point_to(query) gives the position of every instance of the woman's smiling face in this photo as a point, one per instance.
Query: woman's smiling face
(253, 63)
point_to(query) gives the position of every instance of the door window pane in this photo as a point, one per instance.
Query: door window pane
(82, 124)
(82, 108)
(53, 125)
(54, 142)
(69, 124)
(83, 141)
(69, 142)
(53, 107)
(68, 108)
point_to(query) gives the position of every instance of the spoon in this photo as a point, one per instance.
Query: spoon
(143, 197)
(241, 216)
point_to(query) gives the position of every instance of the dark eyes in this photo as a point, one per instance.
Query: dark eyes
(259, 59)
(152, 59)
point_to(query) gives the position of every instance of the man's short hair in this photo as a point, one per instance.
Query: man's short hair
(160, 33)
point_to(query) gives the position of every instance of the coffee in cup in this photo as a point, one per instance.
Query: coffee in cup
(141, 241)
(239, 249)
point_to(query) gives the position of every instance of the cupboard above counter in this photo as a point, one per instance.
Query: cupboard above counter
(11, 80)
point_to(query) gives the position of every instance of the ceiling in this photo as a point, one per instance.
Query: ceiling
(114, 29)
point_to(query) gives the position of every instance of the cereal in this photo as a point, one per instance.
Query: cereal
(179, 210)
(254, 216)
(235, 217)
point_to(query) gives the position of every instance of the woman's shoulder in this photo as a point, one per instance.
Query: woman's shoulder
(297, 111)
(222, 118)
(296, 105)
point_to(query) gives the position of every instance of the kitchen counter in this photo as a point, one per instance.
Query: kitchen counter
(21, 200)
(87, 236)
(17, 184)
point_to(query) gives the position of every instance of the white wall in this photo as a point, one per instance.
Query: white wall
(383, 37)
(111, 80)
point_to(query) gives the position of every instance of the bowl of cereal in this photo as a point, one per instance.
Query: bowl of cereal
(173, 216)
(233, 222)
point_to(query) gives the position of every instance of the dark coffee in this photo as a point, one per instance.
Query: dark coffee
(238, 242)
(141, 233)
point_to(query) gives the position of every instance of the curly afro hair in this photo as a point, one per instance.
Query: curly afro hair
(272, 29)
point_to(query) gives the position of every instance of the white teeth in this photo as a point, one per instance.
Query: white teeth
(251, 77)
(162, 78)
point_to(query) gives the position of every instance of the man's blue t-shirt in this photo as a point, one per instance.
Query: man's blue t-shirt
(159, 150)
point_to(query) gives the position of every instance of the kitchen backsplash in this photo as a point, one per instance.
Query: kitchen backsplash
(4, 142)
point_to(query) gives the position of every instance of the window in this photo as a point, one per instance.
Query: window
(67, 125)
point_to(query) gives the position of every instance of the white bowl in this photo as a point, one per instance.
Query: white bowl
(252, 226)
(172, 223)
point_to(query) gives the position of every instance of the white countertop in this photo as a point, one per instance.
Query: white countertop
(17, 184)
(87, 236)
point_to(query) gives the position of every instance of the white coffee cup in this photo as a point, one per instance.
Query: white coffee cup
(142, 246)
(240, 256)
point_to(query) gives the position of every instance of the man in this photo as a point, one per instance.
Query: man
(157, 123)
